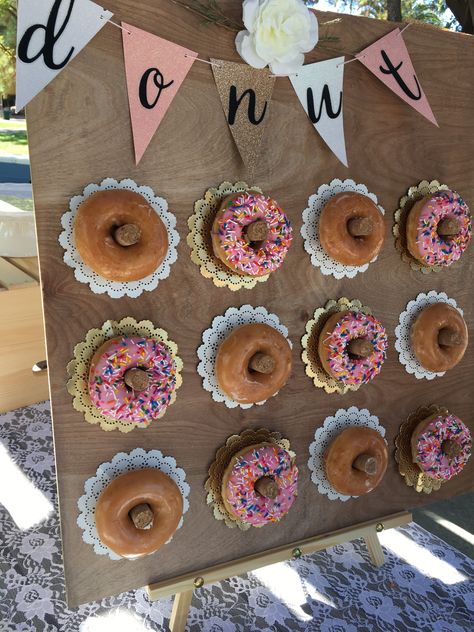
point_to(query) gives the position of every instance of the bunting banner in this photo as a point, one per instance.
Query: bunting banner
(319, 87)
(49, 35)
(245, 94)
(389, 60)
(155, 69)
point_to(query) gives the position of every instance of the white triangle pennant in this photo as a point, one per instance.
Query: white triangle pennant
(320, 87)
(49, 34)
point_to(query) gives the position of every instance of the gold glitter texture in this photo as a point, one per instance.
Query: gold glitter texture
(247, 136)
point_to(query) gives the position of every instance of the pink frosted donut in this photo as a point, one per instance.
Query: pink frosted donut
(239, 494)
(108, 390)
(427, 446)
(335, 358)
(423, 240)
(230, 244)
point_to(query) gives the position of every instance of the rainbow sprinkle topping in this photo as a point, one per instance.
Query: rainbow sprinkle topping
(344, 367)
(245, 209)
(110, 394)
(248, 505)
(432, 248)
(429, 452)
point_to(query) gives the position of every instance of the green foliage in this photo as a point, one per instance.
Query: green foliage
(7, 46)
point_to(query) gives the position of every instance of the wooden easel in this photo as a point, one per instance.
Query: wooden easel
(183, 586)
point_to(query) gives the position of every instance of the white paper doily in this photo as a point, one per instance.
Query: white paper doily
(326, 434)
(403, 332)
(137, 459)
(97, 283)
(221, 327)
(310, 228)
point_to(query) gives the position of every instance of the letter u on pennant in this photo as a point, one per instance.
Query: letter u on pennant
(155, 69)
(389, 60)
(320, 88)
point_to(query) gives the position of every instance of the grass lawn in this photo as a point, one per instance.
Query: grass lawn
(25, 204)
(12, 124)
(14, 143)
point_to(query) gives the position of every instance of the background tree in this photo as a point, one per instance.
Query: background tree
(7, 46)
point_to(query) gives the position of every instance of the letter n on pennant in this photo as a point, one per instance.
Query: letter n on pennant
(155, 69)
(320, 87)
(389, 60)
(245, 94)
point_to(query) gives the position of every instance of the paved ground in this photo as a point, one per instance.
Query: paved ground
(452, 521)
(22, 190)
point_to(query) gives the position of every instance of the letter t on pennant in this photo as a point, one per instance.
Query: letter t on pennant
(155, 69)
(389, 60)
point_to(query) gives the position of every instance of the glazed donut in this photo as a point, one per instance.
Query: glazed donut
(438, 228)
(251, 234)
(441, 446)
(253, 363)
(138, 512)
(119, 235)
(352, 347)
(439, 337)
(132, 378)
(260, 484)
(356, 461)
(351, 228)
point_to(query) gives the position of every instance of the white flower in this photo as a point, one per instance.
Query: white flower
(278, 33)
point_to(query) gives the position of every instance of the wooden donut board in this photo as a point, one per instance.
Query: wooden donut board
(79, 132)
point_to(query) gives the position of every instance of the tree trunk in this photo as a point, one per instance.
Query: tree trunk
(463, 11)
(394, 10)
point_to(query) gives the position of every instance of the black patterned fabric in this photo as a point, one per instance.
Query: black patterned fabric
(424, 585)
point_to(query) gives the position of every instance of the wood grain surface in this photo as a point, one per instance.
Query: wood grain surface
(79, 132)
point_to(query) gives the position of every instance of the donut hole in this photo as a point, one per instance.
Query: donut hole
(359, 348)
(256, 234)
(261, 363)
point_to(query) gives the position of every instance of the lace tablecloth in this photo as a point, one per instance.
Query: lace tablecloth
(337, 590)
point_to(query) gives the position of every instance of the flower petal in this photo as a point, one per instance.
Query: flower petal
(289, 67)
(249, 13)
(245, 45)
(313, 34)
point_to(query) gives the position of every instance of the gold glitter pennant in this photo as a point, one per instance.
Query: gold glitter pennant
(245, 95)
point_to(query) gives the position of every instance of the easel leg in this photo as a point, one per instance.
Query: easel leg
(179, 614)
(375, 550)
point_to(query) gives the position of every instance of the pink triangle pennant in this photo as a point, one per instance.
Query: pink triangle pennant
(155, 70)
(389, 60)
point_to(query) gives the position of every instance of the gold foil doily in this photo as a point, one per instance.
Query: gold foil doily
(412, 474)
(224, 454)
(78, 368)
(309, 342)
(200, 241)
(401, 214)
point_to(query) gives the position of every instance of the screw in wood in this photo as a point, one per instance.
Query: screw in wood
(296, 553)
(379, 527)
(198, 582)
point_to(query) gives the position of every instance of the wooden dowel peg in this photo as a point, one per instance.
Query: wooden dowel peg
(141, 516)
(127, 235)
(451, 448)
(449, 338)
(448, 227)
(257, 231)
(365, 463)
(262, 363)
(360, 347)
(136, 379)
(266, 487)
(360, 226)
